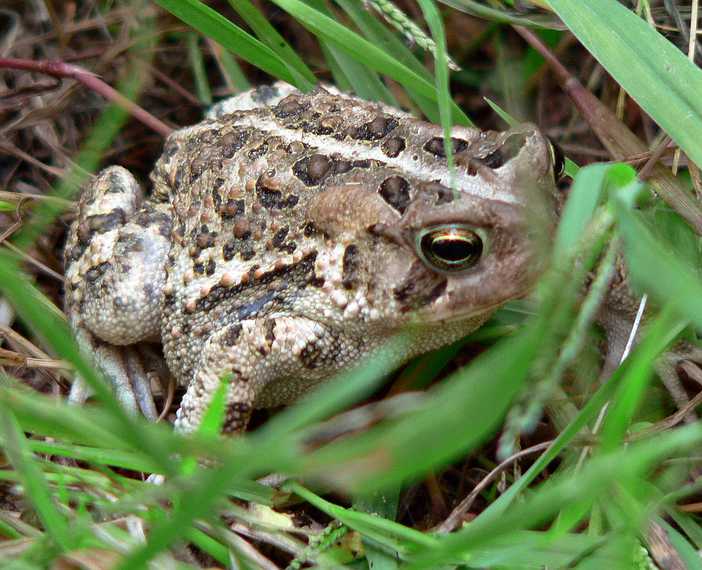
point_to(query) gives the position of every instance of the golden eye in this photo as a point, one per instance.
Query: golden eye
(557, 160)
(450, 247)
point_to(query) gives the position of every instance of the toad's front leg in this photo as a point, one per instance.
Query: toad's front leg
(115, 270)
(270, 362)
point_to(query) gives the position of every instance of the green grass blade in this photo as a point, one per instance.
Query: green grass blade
(583, 199)
(364, 51)
(333, 396)
(381, 504)
(657, 340)
(502, 16)
(688, 523)
(672, 281)
(370, 525)
(348, 73)
(234, 76)
(592, 482)
(36, 488)
(355, 77)
(272, 447)
(633, 384)
(209, 545)
(586, 415)
(355, 463)
(23, 296)
(441, 71)
(379, 35)
(212, 24)
(270, 36)
(651, 69)
(202, 86)
(685, 551)
(95, 455)
(212, 421)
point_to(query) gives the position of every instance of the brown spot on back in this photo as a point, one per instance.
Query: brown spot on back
(375, 129)
(232, 208)
(270, 330)
(150, 216)
(395, 191)
(101, 223)
(198, 166)
(436, 146)
(310, 229)
(247, 253)
(267, 196)
(205, 239)
(313, 169)
(94, 273)
(229, 250)
(232, 142)
(393, 146)
(258, 151)
(295, 273)
(242, 228)
(342, 166)
(279, 237)
(288, 107)
(310, 354)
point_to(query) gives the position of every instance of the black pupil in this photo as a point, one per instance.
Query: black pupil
(456, 248)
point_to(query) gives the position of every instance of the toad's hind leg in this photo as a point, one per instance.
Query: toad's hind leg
(269, 361)
(115, 271)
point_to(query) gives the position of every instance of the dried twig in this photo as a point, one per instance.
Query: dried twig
(456, 516)
(91, 81)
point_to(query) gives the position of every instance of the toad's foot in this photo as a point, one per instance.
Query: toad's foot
(685, 357)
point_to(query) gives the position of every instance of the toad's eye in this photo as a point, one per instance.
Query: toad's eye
(449, 247)
(557, 160)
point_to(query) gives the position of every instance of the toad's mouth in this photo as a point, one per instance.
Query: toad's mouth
(444, 310)
(452, 316)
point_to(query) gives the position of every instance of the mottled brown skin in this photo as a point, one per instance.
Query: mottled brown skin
(279, 245)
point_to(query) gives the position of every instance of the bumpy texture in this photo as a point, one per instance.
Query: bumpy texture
(285, 238)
